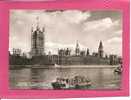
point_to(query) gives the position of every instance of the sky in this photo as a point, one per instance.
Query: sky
(63, 28)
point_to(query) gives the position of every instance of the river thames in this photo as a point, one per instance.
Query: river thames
(101, 76)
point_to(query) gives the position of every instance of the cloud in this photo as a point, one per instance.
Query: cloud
(75, 16)
(101, 24)
(118, 33)
(114, 46)
(115, 40)
(64, 28)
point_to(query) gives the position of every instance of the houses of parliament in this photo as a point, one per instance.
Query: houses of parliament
(63, 57)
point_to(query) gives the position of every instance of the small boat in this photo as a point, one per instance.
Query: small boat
(56, 65)
(118, 69)
(77, 82)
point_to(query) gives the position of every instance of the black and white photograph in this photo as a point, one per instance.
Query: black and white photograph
(65, 49)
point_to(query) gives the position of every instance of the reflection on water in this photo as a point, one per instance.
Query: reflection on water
(26, 78)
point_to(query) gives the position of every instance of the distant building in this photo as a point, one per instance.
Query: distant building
(16, 52)
(64, 52)
(83, 53)
(114, 60)
(95, 54)
(37, 41)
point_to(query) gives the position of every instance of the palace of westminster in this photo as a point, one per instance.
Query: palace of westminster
(64, 56)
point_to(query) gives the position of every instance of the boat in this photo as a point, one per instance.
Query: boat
(118, 69)
(56, 65)
(77, 82)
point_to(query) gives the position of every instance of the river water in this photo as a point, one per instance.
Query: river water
(102, 77)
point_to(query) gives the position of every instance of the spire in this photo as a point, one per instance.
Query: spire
(77, 50)
(37, 22)
(77, 44)
(43, 29)
(100, 45)
(100, 50)
(32, 28)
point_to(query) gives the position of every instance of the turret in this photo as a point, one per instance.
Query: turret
(37, 26)
(77, 50)
(37, 40)
(87, 52)
(100, 50)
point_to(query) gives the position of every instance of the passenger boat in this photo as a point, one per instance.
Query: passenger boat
(77, 82)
